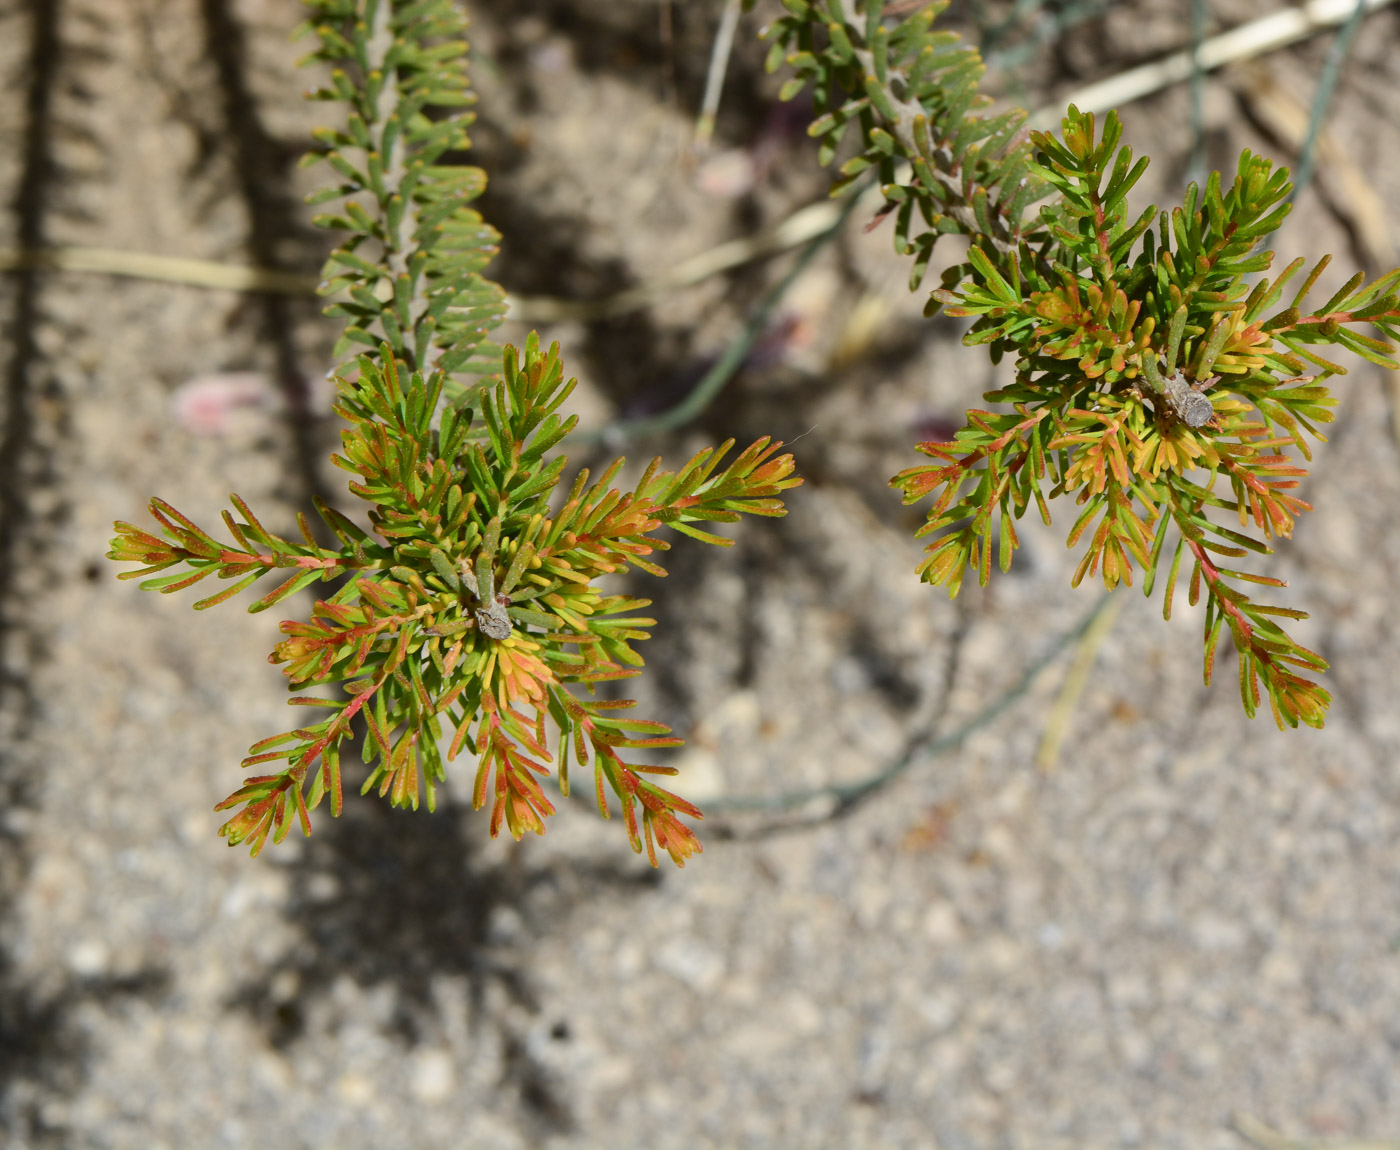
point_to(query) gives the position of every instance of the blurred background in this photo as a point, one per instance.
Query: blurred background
(996, 872)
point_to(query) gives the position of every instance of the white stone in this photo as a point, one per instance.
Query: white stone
(433, 1076)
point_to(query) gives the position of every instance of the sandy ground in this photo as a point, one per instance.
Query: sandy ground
(1190, 918)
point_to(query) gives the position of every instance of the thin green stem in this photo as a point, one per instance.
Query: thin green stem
(922, 745)
(713, 381)
(1322, 99)
(1196, 165)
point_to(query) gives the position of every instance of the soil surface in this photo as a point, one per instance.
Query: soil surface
(1185, 922)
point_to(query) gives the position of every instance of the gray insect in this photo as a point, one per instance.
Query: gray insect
(1188, 404)
(491, 617)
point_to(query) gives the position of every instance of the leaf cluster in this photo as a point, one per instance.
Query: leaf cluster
(1158, 381)
(463, 611)
(911, 91)
(409, 270)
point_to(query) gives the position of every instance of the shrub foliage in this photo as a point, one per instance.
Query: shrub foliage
(468, 616)
(1157, 383)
